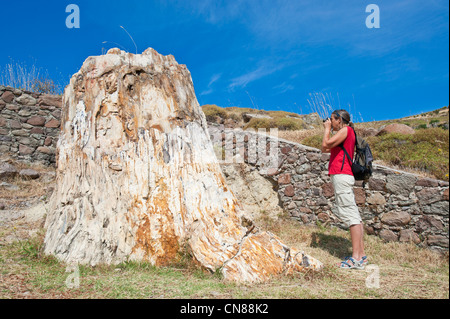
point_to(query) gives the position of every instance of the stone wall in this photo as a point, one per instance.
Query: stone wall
(29, 125)
(394, 205)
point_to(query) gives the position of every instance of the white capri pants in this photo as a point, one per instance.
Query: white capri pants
(346, 209)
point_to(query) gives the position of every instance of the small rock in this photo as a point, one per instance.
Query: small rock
(36, 121)
(388, 235)
(425, 222)
(396, 218)
(400, 184)
(48, 141)
(7, 170)
(313, 157)
(407, 235)
(302, 169)
(360, 196)
(376, 199)
(445, 195)
(8, 186)
(328, 190)
(286, 150)
(248, 116)
(284, 178)
(29, 174)
(25, 150)
(428, 195)
(289, 191)
(53, 123)
(438, 208)
(7, 96)
(437, 240)
(26, 99)
(45, 150)
(37, 130)
(323, 217)
(50, 100)
(427, 182)
(13, 124)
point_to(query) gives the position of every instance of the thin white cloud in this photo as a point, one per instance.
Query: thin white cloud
(213, 79)
(263, 70)
(206, 92)
(283, 88)
(294, 24)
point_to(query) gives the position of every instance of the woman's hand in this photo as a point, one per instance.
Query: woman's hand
(336, 140)
(327, 124)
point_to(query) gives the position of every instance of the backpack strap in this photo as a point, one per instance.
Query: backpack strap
(346, 153)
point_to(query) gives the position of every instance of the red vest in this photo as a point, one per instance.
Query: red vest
(337, 155)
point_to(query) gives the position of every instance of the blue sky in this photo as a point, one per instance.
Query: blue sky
(262, 54)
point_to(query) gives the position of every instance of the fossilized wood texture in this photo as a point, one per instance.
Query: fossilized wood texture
(137, 178)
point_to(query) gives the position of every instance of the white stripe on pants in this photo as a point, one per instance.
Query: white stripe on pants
(346, 209)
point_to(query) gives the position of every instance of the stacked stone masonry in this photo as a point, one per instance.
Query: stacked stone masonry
(394, 205)
(29, 125)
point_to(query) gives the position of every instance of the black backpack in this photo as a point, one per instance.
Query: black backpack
(362, 163)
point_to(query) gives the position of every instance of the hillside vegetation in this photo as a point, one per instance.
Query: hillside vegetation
(425, 152)
(248, 118)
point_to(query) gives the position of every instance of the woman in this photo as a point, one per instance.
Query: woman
(340, 171)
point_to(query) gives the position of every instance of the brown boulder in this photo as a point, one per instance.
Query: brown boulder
(29, 174)
(376, 199)
(284, 178)
(7, 170)
(437, 240)
(396, 218)
(360, 196)
(396, 128)
(328, 190)
(25, 150)
(50, 100)
(7, 97)
(408, 235)
(53, 123)
(289, 191)
(388, 235)
(36, 121)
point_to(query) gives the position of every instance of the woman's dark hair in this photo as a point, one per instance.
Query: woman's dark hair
(344, 115)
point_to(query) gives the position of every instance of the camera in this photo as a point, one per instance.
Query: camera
(326, 119)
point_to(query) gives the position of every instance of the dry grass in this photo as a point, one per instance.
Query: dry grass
(298, 136)
(31, 78)
(24, 190)
(405, 271)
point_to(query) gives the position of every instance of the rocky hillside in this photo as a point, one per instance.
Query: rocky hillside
(418, 143)
(236, 117)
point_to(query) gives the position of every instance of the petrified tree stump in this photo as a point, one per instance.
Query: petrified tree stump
(137, 178)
